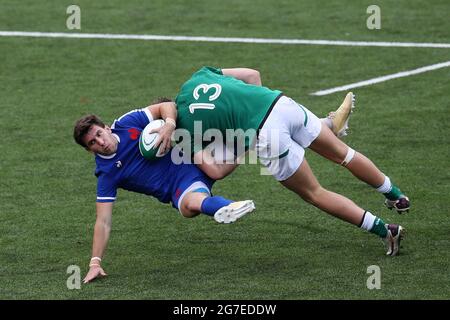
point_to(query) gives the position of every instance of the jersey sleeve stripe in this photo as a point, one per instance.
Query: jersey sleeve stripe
(148, 113)
(106, 198)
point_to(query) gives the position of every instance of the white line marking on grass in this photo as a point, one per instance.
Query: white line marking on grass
(219, 39)
(382, 79)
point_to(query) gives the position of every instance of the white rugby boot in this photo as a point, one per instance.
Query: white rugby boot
(234, 211)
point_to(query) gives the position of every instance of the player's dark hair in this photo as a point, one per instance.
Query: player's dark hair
(83, 125)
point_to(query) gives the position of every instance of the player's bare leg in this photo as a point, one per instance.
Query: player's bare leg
(305, 184)
(330, 147)
(191, 204)
(338, 123)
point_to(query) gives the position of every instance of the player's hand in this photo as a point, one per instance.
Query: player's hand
(165, 137)
(94, 272)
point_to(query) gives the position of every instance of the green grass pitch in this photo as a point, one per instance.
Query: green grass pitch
(286, 249)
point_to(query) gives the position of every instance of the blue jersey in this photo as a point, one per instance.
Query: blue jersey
(129, 170)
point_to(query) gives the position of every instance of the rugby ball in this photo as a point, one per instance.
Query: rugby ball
(147, 140)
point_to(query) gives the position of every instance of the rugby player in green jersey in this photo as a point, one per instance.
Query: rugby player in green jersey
(215, 102)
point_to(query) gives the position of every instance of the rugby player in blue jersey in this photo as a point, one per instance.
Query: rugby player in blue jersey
(119, 164)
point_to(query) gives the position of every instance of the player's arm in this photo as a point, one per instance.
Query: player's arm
(168, 112)
(208, 165)
(102, 230)
(163, 110)
(247, 75)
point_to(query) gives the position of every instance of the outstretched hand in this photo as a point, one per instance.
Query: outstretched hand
(165, 137)
(94, 272)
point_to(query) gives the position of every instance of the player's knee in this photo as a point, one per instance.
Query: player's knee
(188, 213)
(189, 210)
(348, 157)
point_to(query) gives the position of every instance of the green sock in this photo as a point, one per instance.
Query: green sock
(394, 194)
(379, 228)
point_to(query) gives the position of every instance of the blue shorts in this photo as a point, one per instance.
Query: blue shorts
(191, 179)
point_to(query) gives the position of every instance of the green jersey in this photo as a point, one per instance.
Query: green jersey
(222, 102)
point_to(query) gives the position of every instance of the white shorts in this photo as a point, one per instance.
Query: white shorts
(288, 130)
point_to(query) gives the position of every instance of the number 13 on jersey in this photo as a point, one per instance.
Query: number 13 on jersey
(217, 89)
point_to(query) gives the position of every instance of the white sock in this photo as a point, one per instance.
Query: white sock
(368, 221)
(386, 186)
